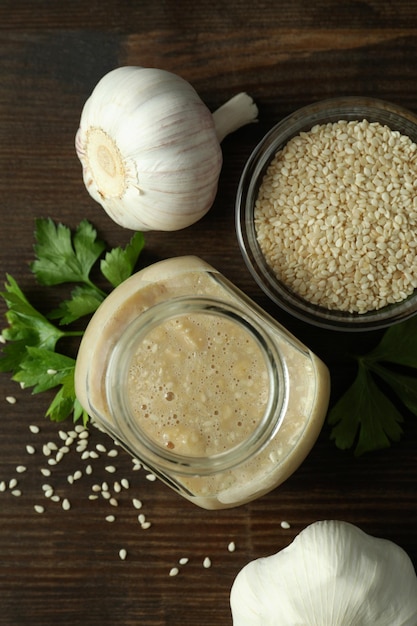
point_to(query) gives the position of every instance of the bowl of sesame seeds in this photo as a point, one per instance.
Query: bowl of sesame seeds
(326, 213)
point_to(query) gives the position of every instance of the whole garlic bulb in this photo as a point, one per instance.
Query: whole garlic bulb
(332, 574)
(150, 148)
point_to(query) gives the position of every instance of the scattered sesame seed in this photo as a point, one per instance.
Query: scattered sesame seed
(93, 496)
(30, 449)
(125, 483)
(117, 487)
(11, 399)
(146, 525)
(52, 446)
(12, 483)
(51, 372)
(77, 475)
(66, 505)
(231, 547)
(88, 469)
(150, 477)
(55, 498)
(141, 518)
(52, 461)
(137, 503)
(207, 562)
(16, 492)
(101, 448)
(104, 486)
(110, 468)
(34, 429)
(49, 493)
(2, 339)
(183, 561)
(96, 487)
(84, 435)
(122, 554)
(110, 518)
(39, 508)
(112, 453)
(285, 525)
(174, 571)
(21, 469)
(3, 486)
(46, 450)
(45, 471)
(113, 502)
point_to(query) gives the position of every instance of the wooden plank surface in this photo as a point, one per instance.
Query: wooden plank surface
(63, 566)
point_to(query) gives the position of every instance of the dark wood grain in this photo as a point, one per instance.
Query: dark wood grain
(63, 566)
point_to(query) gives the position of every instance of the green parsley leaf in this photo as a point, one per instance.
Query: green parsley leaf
(403, 385)
(31, 337)
(43, 369)
(27, 327)
(63, 257)
(65, 403)
(366, 415)
(84, 301)
(119, 263)
(398, 344)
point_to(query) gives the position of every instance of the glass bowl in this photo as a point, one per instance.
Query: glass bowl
(332, 110)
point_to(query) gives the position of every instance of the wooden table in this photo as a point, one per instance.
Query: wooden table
(64, 566)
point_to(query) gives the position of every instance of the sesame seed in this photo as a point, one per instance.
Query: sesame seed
(3, 486)
(16, 492)
(51, 372)
(110, 518)
(12, 483)
(122, 554)
(231, 547)
(207, 562)
(137, 503)
(174, 571)
(110, 468)
(45, 471)
(285, 525)
(141, 518)
(88, 469)
(34, 429)
(150, 477)
(66, 505)
(114, 502)
(125, 483)
(145, 525)
(183, 560)
(39, 508)
(30, 449)
(21, 469)
(77, 475)
(112, 453)
(101, 448)
(11, 399)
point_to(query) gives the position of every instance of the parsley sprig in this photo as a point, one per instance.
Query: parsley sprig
(368, 416)
(61, 256)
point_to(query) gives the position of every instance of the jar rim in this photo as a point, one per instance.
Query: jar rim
(141, 444)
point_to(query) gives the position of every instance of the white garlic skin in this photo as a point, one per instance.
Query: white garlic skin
(163, 173)
(332, 574)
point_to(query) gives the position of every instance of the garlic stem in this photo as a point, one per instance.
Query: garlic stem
(236, 112)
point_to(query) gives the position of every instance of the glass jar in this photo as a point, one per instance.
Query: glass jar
(201, 385)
